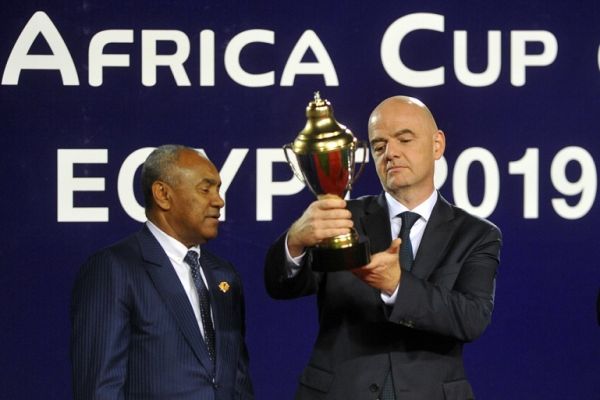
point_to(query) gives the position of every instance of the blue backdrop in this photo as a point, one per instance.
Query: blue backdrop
(87, 87)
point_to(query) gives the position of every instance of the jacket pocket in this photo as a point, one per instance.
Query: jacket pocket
(316, 378)
(458, 390)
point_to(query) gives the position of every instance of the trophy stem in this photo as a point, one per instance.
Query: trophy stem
(340, 241)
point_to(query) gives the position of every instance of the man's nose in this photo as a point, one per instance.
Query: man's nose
(391, 150)
(218, 201)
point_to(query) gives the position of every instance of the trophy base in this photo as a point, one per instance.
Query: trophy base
(331, 260)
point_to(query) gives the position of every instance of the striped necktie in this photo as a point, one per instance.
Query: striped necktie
(191, 258)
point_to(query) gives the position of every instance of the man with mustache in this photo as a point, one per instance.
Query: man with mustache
(395, 328)
(157, 316)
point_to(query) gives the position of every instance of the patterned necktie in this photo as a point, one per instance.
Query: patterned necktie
(191, 258)
(406, 252)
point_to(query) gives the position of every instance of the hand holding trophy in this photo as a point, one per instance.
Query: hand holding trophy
(324, 152)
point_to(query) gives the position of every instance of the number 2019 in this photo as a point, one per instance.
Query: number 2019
(528, 166)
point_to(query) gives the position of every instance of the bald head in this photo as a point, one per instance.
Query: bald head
(405, 143)
(403, 104)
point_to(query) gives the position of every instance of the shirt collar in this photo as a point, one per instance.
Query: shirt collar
(175, 250)
(424, 209)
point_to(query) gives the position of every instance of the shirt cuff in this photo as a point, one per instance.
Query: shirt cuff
(292, 264)
(391, 299)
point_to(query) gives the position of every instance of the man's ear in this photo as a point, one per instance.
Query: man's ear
(161, 192)
(439, 144)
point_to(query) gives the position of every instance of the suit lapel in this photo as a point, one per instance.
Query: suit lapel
(436, 238)
(376, 223)
(171, 291)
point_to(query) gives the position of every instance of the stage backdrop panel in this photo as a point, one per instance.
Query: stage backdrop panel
(89, 88)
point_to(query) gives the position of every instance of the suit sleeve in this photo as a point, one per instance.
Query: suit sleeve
(464, 309)
(277, 282)
(100, 332)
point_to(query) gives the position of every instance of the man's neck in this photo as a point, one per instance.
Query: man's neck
(411, 199)
(163, 224)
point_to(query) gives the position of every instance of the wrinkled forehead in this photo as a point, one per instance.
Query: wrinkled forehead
(192, 162)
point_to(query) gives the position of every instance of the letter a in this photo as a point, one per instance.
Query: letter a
(20, 59)
(294, 65)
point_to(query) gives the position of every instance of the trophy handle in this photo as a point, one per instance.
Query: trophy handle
(355, 176)
(289, 161)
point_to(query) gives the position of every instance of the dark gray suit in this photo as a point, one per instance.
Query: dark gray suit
(135, 335)
(445, 300)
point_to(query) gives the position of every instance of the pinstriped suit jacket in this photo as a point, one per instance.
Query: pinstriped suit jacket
(135, 335)
(445, 300)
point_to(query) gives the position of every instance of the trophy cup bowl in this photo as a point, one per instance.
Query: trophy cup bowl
(324, 155)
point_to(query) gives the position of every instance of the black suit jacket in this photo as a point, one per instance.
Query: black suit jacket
(135, 335)
(444, 301)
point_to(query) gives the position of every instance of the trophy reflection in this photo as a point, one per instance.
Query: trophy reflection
(324, 155)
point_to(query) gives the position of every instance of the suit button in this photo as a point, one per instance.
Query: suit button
(374, 388)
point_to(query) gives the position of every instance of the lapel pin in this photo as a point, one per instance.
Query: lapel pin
(224, 286)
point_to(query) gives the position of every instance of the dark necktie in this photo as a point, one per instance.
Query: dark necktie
(406, 261)
(406, 252)
(191, 258)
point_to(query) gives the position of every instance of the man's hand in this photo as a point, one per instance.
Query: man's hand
(324, 218)
(383, 272)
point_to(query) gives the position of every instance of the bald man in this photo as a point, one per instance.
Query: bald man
(395, 328)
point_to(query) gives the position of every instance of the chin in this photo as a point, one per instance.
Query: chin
(210, 235)
(396, 184)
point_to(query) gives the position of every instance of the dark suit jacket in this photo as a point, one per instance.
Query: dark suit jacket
(444, 301)
(135, 335)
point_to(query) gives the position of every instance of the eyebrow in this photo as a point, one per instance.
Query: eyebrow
(210, 181)
(376, 141)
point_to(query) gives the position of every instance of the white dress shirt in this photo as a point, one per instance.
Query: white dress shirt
(176, 251)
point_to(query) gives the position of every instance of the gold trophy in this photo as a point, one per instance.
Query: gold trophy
(324, 154)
